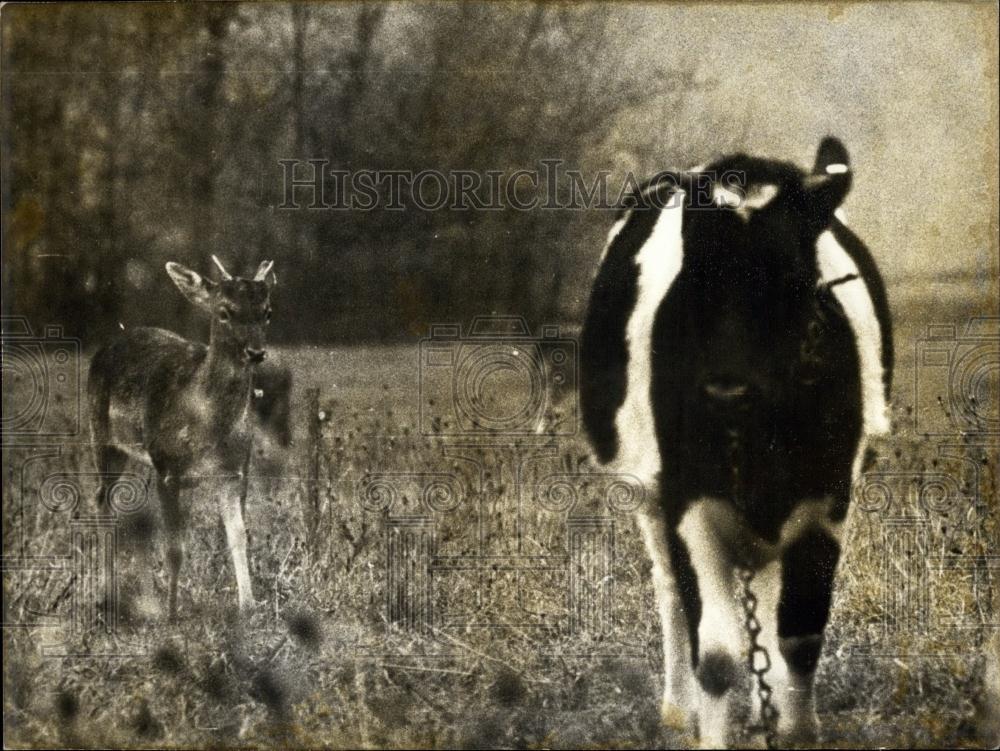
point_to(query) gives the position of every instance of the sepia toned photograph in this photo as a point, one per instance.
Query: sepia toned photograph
(393, 374)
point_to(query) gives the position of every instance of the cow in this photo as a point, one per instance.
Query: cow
(736, 357)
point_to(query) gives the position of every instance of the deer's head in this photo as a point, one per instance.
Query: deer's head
(240, 307)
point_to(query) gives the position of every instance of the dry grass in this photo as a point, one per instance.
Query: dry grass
(318, 665)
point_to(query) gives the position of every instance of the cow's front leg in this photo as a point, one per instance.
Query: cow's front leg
(705, 575)
(766, 587)
(808, 567)
(236, 538)
(678, 692)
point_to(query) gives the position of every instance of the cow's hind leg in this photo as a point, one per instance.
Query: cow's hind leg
(704, 573)
(678, 696)
(808, 567)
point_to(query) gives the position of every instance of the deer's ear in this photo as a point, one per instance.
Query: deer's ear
(193, 285)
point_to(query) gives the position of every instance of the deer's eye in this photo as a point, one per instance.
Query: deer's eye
(225, 314)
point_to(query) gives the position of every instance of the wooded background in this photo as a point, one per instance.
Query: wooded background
(137, 134)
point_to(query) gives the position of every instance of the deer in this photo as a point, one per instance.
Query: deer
(183, 408)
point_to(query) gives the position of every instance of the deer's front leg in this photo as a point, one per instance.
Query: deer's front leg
(174, 524)
(236, 537)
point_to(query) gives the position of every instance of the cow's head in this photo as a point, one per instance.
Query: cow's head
(747, 300)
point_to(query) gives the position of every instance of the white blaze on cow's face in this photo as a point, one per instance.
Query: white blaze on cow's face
(744, 203)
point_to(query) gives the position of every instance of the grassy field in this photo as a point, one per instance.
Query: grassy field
(534, 624)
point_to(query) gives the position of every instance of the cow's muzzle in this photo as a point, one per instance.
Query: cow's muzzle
(728, 394)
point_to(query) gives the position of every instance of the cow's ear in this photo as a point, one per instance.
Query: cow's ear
(822, 194)
(831, 157)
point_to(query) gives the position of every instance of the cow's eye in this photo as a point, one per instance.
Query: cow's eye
(267, 316)
(225, 314)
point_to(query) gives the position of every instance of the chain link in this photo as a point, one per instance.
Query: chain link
(758, 659)
(759, 662)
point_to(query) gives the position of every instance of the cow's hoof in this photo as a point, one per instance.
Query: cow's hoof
(804, 734)
(680, 723)
(674, 717)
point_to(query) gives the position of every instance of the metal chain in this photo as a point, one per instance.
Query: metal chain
(758, 658)
(759, 661)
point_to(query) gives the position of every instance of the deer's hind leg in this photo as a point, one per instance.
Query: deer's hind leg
(111, 462)
(137, 529)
